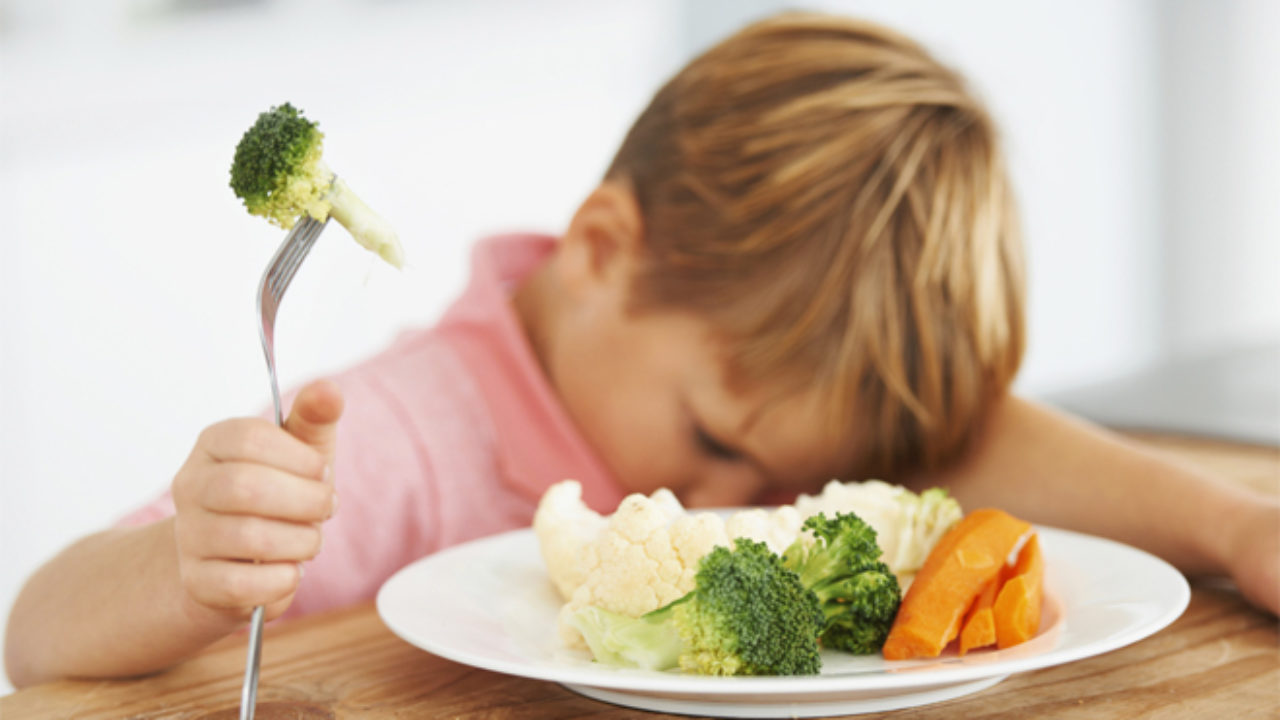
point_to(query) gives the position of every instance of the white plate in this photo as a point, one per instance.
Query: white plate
(489, 604)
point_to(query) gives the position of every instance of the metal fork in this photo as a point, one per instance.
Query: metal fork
(275, 281)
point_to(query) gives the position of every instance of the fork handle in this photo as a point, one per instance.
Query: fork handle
(253, 663)
(249, 693)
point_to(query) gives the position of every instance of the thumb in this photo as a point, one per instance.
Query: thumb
(313, 419)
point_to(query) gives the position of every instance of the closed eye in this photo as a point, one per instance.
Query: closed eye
(714, 447)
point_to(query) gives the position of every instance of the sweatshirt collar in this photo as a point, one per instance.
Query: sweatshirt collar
(538, 443)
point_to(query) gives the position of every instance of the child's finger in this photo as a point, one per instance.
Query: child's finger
(228, 584)
(237, 488)
(313, 419)
(259, 441)
(248, 538)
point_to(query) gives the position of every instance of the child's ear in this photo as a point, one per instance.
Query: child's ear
(606, 232)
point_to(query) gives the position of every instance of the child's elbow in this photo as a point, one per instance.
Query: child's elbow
(19, 663)
(29, 657)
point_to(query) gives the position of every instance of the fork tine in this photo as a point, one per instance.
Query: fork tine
(306, 241)
(283, 266)
(297, 252)
(266, 285)
(287, 256)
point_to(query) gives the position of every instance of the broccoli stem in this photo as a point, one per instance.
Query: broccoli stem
(366, 226)
(820, 567)
(650, 642)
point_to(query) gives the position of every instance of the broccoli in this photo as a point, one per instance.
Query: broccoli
(747, 615)
(858, 593)
(279, 174)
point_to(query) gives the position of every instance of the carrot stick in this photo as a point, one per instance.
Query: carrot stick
(979, 628)
(963, 562)
(1017, 608)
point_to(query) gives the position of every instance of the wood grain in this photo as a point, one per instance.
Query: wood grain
(1221, 659)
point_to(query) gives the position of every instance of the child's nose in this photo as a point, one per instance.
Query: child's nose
(724, 485)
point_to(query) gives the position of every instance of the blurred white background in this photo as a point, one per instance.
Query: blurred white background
(1142, 135)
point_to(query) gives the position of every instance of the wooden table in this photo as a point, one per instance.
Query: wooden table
(1221, 659)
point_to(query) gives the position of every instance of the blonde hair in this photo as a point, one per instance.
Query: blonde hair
(833, 200)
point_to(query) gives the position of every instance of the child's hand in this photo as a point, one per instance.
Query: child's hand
(250, 500)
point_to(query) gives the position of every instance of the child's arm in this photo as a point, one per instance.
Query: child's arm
(1051, 468)
(133, 600)
(111, 604)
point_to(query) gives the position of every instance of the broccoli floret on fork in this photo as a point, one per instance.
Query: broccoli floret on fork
(279, 173)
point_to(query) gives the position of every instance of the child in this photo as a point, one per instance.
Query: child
(802, 264)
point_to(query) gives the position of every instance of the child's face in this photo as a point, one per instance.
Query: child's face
(648, 390)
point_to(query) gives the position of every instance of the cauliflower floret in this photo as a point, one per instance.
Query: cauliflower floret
(565, 526)
(667, 503)
(777, 528)
(646, 557)
(692, 537)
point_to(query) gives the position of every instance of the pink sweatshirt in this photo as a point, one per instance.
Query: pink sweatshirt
(450, 434)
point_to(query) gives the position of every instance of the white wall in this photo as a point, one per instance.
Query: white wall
(127, 267)
(1221, 178)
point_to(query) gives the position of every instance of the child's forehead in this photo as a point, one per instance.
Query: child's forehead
(801, 425)
(788, 410)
